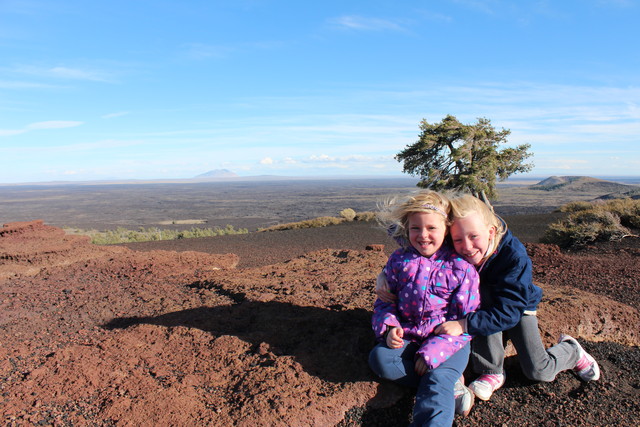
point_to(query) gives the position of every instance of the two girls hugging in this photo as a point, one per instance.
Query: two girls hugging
(458, 274)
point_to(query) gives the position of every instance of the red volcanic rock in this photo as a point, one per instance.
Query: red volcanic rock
(108, 335)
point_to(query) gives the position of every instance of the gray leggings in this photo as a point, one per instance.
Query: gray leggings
(538, 364)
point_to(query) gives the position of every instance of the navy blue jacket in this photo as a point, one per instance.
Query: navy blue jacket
(506, 289)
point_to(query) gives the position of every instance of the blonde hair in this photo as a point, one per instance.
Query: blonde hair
(466, 204)
(394, 214)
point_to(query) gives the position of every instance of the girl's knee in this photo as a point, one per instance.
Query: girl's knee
(375, 362)
(384, 362)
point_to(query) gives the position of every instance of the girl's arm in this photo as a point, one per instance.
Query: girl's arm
(509, 284)
(466, 299)
(438, 348)
(385, 314)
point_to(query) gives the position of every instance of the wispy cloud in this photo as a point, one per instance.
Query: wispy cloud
(11, 132)
(430, 15)
(66, 73)
(324, 161)
(54, 124)
(78, 74)
(203, 51)
(7, 84)
(361, 23)
(617, 3)
(114, 115)
(199, 51)
(100, 146)
(486, 6)
(51, 124)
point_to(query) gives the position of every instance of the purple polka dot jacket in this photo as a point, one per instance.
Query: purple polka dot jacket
(430, 291)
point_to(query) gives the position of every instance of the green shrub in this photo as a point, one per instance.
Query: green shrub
(576, 207)
(594, 222)
(627, 209)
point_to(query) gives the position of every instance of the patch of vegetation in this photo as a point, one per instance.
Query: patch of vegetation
(576, 207)
(324, 221)
(123, 235)
(594, 222)
(348, 214)
(366, 216)
(183, 222)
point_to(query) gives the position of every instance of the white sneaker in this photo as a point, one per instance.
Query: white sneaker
(587, 368)
(484, 386)
(464, 398)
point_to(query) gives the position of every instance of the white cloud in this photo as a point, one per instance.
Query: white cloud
(205, 51)
(114, 115)
(266, 161)
(352, 158)
(485, 6)
(365, 24)
(62, 72)
(78, 74)
(54, 124)
(10, 132)
(321, 158)
(433, 16)
(7, 84)
(616, 3)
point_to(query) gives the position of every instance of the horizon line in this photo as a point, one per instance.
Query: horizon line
(238, 178)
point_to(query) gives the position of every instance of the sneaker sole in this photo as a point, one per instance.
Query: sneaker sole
(482, 396)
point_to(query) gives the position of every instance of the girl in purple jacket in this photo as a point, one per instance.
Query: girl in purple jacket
(432, 285)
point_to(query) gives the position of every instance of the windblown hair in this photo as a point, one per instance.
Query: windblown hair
(466, 204)
(394, 214)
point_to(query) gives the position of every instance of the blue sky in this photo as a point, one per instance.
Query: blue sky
(141, 89)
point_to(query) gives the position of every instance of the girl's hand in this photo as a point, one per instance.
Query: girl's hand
(421, 366)
(394, 338)
(382, 289)
(452, 327)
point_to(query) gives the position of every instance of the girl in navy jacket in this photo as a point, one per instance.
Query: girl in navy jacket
(509, 301)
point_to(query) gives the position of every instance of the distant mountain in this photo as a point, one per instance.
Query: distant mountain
(218, 173)
(581, 184)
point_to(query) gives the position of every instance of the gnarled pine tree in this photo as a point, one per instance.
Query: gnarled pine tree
(453, 156)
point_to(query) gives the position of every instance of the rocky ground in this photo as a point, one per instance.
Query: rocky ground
(271, 329)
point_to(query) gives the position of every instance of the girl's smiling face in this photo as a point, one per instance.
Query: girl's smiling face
(471, 237)
(426, 232)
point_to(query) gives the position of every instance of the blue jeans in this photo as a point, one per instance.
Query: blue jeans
(435, 404)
